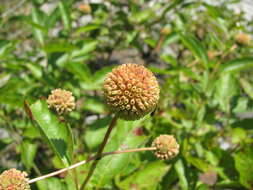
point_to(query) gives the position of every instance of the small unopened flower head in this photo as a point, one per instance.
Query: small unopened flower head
(165, 31)
(166, 147)
(61, 100)
(85, 8)
(243, 39)
(212, 54)
(14, 180)
(131, 91)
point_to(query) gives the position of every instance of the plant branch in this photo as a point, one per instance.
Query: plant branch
(88, 160)
(99, 152)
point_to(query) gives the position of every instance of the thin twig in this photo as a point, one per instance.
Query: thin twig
(99, 152)
(88, 160)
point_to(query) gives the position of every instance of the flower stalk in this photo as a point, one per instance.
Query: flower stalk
(88, 160)
(100, 151)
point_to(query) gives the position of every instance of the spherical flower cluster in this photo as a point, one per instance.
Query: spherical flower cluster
(14, 180)
(166, 147)
(243, 39)
(131, 91)
(61, 100)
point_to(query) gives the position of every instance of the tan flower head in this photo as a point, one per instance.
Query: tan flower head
(131, 91)
(166, 147)
(165, 31)
(61, 100)
(85, 8)
(243, 39)
(14, 180)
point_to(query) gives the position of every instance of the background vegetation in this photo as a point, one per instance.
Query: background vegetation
(206, 91)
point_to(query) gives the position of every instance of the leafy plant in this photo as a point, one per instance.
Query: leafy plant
(203, 68)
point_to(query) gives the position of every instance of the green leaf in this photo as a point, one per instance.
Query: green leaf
(123, 137)
(237, 65)
(238, 135)
(37, 32)
(147, 177)
(196, 48)
(171, 38)
(141, 16)
(87, 28)
(169, 59)
(247, 87)
(57, 133)
(95, 105)
(226, 88)
(51, 183)
(11, 92)
(95, 132)
(150, 41)
(198, 163)
(243, 164)
(88, 46)
(179, 167)
(100, 75)
(53, 47)
(28, 150)
(80, 70)
(65, 15)
(35, 69)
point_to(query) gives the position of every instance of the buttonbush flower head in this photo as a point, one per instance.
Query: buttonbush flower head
(243, 39)
(14, 180)
(131, 91)
(61, 100)
(166, 147)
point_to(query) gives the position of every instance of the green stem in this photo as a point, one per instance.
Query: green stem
(88, 160)
(99, 152)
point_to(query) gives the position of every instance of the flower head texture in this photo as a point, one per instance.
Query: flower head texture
(166, 147)
(131, 91)
(14, 180)
(61, 100)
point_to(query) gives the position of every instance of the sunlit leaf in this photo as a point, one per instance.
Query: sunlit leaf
(243, 163)
(55, 132)
(237, 65)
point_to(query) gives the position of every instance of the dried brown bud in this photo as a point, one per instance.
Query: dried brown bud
(131, 91)
(166, 147)
(14, 180)
(212, 54)
(243, 39)
(61, 100)
(165, 31)
(85, 8)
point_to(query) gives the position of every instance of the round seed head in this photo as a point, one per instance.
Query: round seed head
(165, 31)
(61, 100)
(243, 39)
(166, 147)
(85, 8)
(131, 91)
(14, 180)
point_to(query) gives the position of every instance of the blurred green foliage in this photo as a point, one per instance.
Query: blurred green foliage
(206, 91)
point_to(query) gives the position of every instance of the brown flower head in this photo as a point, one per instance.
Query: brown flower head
(131, 91)
(61, 100)
(165, 31)
(166, 147)
(243, 39)
(14, 180)
(85, 8)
